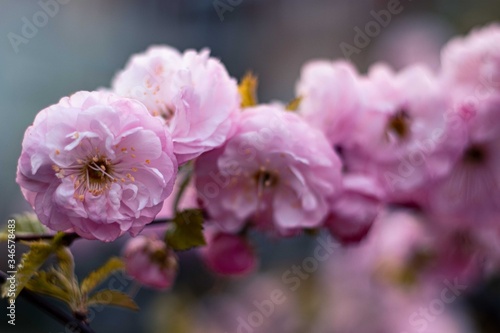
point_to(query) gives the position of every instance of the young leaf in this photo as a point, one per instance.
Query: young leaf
(186, 231)
(98, 276)
(66, 262)
(113, 298)
(51, 284)
(32, 260)
(26, 223)
(248, 90)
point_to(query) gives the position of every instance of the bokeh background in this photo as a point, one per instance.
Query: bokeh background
(86, 42)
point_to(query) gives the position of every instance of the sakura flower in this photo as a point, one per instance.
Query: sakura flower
(98, 164)
(149, 261)
(411, 249)
(276, 171)
(354, 211)
(191, 92)
(471, 190)
(330, 98)
(228, 254)
(471, 65)
(399, 138)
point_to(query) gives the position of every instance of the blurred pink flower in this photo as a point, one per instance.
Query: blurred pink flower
(398, 139)
(276, 171)
(355, 209)
(191, 92)
(229, 254)
(149, 261)
(471, 65)
(331, 98)
(391, 279)
(98, 164)
(471, 190)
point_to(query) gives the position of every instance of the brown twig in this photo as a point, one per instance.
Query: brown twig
(72, 236)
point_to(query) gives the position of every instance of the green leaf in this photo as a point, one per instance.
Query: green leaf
(98, 276)
(113, 298)
(32, 260)
(26, 223)
(66, 262)
(51, 284)
(186, 231)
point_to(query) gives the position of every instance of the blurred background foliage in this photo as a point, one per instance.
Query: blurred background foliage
(87, 42)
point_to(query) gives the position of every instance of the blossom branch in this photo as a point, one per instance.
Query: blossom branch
(72, 236)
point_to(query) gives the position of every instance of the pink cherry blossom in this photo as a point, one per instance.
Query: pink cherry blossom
(98, 164)
(331, 98)
(411, 248)
(228, 254)
(355, 209)
(276, 171)
(471, 190)
(149, 261)
(399, 137)
(191, 92)
(471, 65)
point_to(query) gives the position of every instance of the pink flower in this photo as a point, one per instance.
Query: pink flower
(331, 98)
(471, 190)
(98, 164)
(471, 65)
(191, 92)
(276, 171)
(398, 140)
(355, 210)
(228, 254)
(149, 261)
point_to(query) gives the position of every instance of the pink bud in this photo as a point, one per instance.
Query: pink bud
(354, 212)
(228, 254)
(149, 261)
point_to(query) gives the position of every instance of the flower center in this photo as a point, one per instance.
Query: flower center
(474, 155)
(98, 170)
(95, 175)
(266, 178)
(399, 125)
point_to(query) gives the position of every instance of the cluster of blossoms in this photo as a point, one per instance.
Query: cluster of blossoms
(104, 163)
